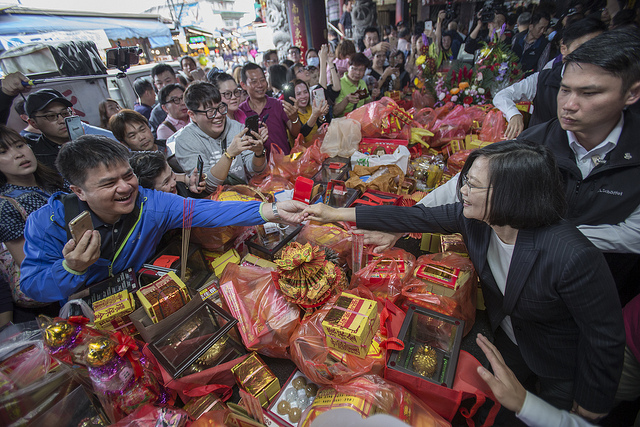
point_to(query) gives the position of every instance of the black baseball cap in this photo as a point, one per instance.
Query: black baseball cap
(39, 100)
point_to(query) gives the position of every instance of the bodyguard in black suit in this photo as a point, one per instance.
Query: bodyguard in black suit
(545, 285)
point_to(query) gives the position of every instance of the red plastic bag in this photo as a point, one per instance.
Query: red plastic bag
(456, 161)
(301, 161)
(329, 236)
(493, 126)
(456, 124)
(271, 183)
(323, 365)
(266, 319)
(383, 118)
(369, 395)
(149, 415)
(432, 276)
(386, 274)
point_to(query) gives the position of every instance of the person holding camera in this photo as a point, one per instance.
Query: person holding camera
(489, 22)
(353, 92)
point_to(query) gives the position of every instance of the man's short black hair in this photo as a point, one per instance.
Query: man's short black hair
(582, 28)
(202, 94)
(77, 158)
(615, 51)
(278, 76)
(372, 30)
(359, 59)
(218, 78)
(166, 90)
(141, 85)
(147, 165)
(248, 67)
(538, 16)
(294, 47)
(287, 63)
(269, 53)
(526, 186)
(161, 68)
(18, 107)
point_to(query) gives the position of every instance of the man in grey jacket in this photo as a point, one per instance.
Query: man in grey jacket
(231, 153)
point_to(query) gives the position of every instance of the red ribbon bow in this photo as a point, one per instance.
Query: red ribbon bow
(124, 349)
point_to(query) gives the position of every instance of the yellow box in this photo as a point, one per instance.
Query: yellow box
(113, 307)
(350, 324)
(257, 261)
(163, 297)
(476, 143)
(254, 376)
(430, 242)
(218, 264)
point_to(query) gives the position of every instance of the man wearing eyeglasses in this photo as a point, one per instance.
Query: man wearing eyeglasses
(171, 98)
(231, 153)
(47, 109)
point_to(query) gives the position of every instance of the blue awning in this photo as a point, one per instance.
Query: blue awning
(158, 33)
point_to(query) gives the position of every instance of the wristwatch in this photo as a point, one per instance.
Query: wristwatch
(274, 209)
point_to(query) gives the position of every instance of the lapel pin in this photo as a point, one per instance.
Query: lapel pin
(627, 156)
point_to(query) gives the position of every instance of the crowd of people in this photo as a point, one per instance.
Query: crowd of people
(549, 216)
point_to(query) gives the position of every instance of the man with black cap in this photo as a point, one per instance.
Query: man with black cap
(47, 109)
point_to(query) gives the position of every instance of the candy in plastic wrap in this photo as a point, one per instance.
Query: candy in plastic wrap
(386, 274)
(427, 171)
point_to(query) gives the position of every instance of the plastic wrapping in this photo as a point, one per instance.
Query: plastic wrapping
(460, 304)
(387, 178)
(456, 161)
(455, 125)
(149, 415)
(271, 183)
(266, 320)
(383, 118)
(493, 126)
(329, 236)
(369, 395)
(386, 274)
(342, 137)
(322, 365)
(300, 161)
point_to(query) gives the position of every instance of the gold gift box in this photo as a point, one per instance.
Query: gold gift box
(254, 376)
(350, 324)
(163, 297)
(110, 310)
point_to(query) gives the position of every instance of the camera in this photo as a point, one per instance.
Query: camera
(123, 57)
(488, 12)
(450, 11)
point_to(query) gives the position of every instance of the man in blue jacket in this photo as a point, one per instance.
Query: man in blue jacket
(128, 221)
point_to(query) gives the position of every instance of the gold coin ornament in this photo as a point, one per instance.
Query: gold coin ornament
(425, 361)
(58, 333)
(100, 350)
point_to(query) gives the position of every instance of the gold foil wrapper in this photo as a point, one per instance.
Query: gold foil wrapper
(425, 361)
(253, 375)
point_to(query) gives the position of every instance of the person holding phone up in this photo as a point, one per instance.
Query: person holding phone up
(232, 154)
(353, 93)
(310, 112)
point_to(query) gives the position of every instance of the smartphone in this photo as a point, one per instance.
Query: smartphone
(288, 91)
(200, 169)
(318, 96)
(74, 126)
(252, 123)
(80, 224)
(428, 27)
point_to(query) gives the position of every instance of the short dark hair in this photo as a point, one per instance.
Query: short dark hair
(538, 16)
(218, 78)
(248, 67)
(294, 47)
(76, 158)
(166, 90)
(119, 121)
(624, 17)
(161, 68)
(202, 94)
(582, 28)
(360, 59)
(291, 73)
(287, 63)
(270, 52)
(142, 85)
(190, 58)
(147, 165)
(616, 51)
(403, 33)
(278, 76)
(311, 49)
(526, 184)
(46, 177)
(372, 30)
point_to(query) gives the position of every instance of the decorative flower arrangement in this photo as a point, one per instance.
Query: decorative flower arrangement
(462, 85)
(500, 64)
(427, 74)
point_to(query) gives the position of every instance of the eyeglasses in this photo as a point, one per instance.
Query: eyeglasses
(465, 181)
(232, 94)
(176, 100)
(52, 117)
(301, 69)
(211, 112)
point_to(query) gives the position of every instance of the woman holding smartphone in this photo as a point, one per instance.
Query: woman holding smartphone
(310, 113)
(25, 186)
(231, 94)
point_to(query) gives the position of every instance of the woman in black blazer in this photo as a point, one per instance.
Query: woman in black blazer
(550, 297)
